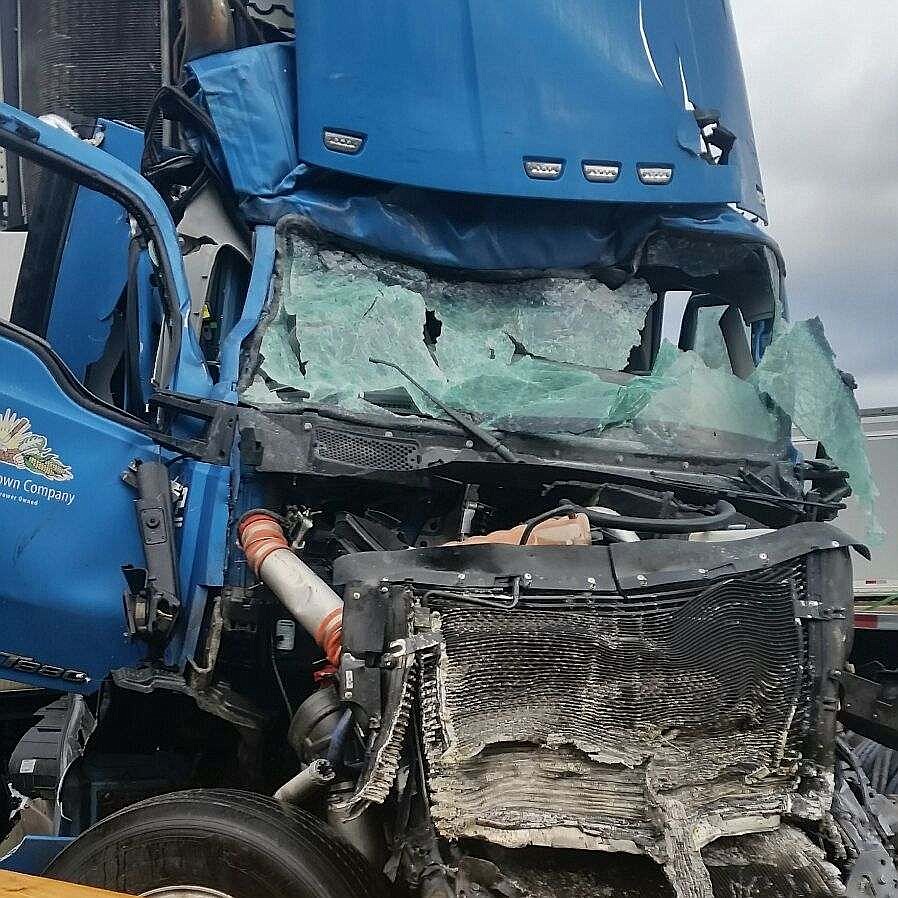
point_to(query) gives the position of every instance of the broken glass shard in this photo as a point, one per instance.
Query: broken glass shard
(799, 374)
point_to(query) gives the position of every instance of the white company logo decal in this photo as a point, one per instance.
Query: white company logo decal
(22, 448)
(25, 450)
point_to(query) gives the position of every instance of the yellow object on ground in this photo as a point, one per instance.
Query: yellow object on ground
(15, 885)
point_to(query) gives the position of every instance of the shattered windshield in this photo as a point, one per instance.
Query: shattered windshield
(540, 355)
(558, 354)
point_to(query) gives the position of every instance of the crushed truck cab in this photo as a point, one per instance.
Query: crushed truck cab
(346, 458)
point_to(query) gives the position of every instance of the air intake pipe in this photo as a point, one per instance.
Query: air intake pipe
(302, 592)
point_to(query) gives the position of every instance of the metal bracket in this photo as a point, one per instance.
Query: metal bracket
(866, 710)
(401, 648)
(152, 600)
(215, 447)
(241, 609)
(873, 875)
(218, 699)
(812, 610)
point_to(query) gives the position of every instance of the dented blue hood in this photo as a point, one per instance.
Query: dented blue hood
(460, 96)
(251, 97)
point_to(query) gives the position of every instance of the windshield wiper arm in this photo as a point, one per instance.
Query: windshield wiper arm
(462, 420)
(763, 497)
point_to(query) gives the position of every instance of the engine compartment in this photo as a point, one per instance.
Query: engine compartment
(613, 691)
(529, 674)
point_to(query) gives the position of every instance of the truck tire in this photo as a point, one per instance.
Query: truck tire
(217, 842)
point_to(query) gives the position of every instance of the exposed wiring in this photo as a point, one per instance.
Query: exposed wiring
(280, 682)
(272, 7)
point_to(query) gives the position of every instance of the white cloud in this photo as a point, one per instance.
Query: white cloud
(823, 80)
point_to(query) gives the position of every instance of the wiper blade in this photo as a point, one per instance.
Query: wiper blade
(762, 497)
(462, 420)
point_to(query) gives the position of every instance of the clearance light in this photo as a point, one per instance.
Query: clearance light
(341, 142)
(543, 169)
(655, 174)
(601, 172)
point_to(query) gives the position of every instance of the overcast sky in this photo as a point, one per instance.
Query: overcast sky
(823, 81)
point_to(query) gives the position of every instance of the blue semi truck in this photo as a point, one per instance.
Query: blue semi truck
(360, 532)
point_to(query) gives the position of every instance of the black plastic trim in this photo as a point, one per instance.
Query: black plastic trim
(9, 59)
(44, 248)
(624, 567)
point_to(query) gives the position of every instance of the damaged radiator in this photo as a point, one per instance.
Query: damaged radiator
(651, 721)
(576, 726)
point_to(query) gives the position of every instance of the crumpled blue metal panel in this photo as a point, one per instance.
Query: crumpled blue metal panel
(250, 95)
(455, 95)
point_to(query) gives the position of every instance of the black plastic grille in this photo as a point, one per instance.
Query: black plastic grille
(98, 58)
(365, 451)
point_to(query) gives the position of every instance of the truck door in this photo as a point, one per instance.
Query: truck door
(67, 522)
(79, 445)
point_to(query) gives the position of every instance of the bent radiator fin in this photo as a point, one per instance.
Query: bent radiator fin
(647, 724)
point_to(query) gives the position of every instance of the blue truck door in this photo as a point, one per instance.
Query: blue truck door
(67, 522)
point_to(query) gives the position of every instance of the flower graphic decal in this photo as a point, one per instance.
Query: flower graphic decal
(21, 448)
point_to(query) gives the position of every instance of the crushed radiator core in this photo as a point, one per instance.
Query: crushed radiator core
(653, 724)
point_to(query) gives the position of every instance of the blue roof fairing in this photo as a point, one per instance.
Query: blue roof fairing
(251, 97)
(455, 95)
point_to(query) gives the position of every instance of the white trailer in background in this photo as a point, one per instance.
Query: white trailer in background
(12, 245)
(875, 580)
(875, 652)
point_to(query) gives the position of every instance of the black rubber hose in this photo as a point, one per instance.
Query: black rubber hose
(723, 514)
(567, 509)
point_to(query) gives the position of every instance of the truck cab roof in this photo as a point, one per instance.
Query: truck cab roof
(627, 101)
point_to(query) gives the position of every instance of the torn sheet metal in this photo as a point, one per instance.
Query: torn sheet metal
(624, 716)
(639, 719)
(784, 864)
(615, 724)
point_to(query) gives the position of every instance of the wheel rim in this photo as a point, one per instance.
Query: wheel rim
(184, 892)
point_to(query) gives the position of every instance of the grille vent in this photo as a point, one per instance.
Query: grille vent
(579, 714)
(99, 58)
(365, 451)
